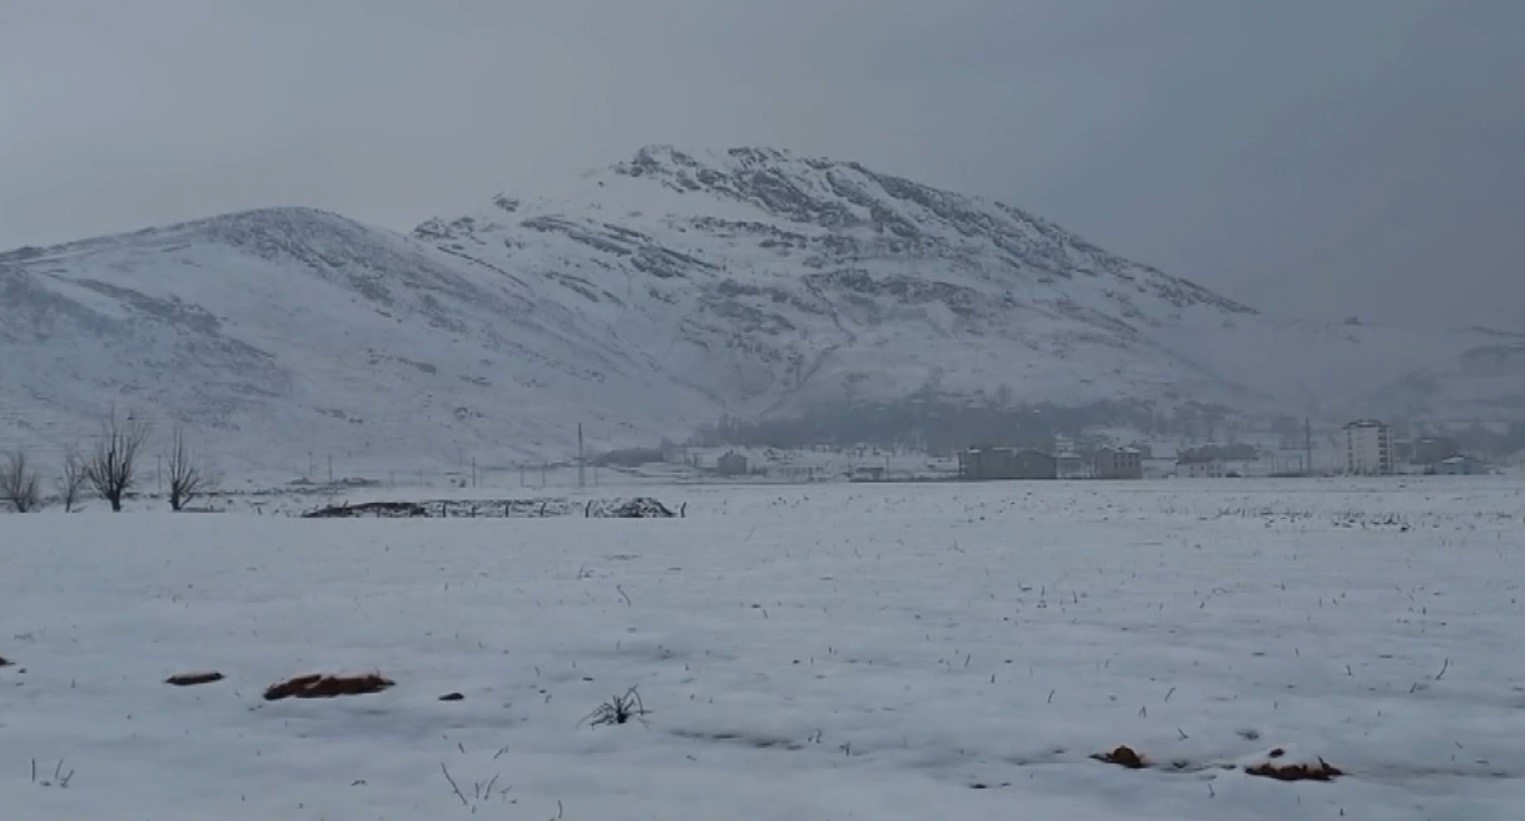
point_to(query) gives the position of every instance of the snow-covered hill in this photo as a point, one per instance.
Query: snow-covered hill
(280, 332)
(645, 299)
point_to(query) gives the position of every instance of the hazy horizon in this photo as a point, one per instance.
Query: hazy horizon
(1307, 159)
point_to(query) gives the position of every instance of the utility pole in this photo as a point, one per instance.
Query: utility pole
(330, 468)
(1308, 444)
(581, 482)
(473, 471)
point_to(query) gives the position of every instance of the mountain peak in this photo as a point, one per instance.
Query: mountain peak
(670, 156)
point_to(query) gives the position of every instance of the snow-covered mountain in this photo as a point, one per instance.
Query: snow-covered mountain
(647, 298)
(772, 282)
(776, 281)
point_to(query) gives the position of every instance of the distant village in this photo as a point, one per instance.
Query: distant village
(1365, 447)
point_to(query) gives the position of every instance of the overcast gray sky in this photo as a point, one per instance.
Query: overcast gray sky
(1322, 157)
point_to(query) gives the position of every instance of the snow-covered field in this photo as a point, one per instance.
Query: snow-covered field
(818, 652)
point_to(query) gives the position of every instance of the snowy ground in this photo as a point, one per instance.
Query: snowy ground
(821, 652)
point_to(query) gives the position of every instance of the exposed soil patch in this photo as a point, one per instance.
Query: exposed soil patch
(387, 510)
(1322, 771)
(4, 662)
(193, 679)
(1123, 756)
(452, 697)
(320, 686)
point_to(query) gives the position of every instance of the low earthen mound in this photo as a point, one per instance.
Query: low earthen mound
(1123, 756)
(321, 686)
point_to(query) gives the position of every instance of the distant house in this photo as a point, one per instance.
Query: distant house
(1459, 466)
(1200, 466)
(1217, 461)
(987, 463)
(1071, 466)
(731, 464)
(1118, 463)
(868, 474)
(1368, 448)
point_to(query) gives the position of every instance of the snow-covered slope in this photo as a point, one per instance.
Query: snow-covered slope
(284, 331)
(644, 299)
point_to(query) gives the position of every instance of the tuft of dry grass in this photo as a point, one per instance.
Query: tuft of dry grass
(617, 710)
(321, 686)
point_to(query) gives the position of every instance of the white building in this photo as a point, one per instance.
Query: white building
(1200, 467)
(1368, 448)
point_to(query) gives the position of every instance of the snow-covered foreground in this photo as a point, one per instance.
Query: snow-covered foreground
(891, 651)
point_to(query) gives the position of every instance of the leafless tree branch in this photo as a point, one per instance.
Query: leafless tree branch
(111, 469)
(71, 483)
(188, 477)
(19, 484)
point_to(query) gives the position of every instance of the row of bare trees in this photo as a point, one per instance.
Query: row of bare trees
(110, 470)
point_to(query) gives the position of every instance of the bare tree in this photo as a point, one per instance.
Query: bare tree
(71, 483)
(19, 484)
(188, 477)
(112, 467)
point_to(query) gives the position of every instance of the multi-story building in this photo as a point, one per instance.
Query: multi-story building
(1118, 463)
(1368, 448)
